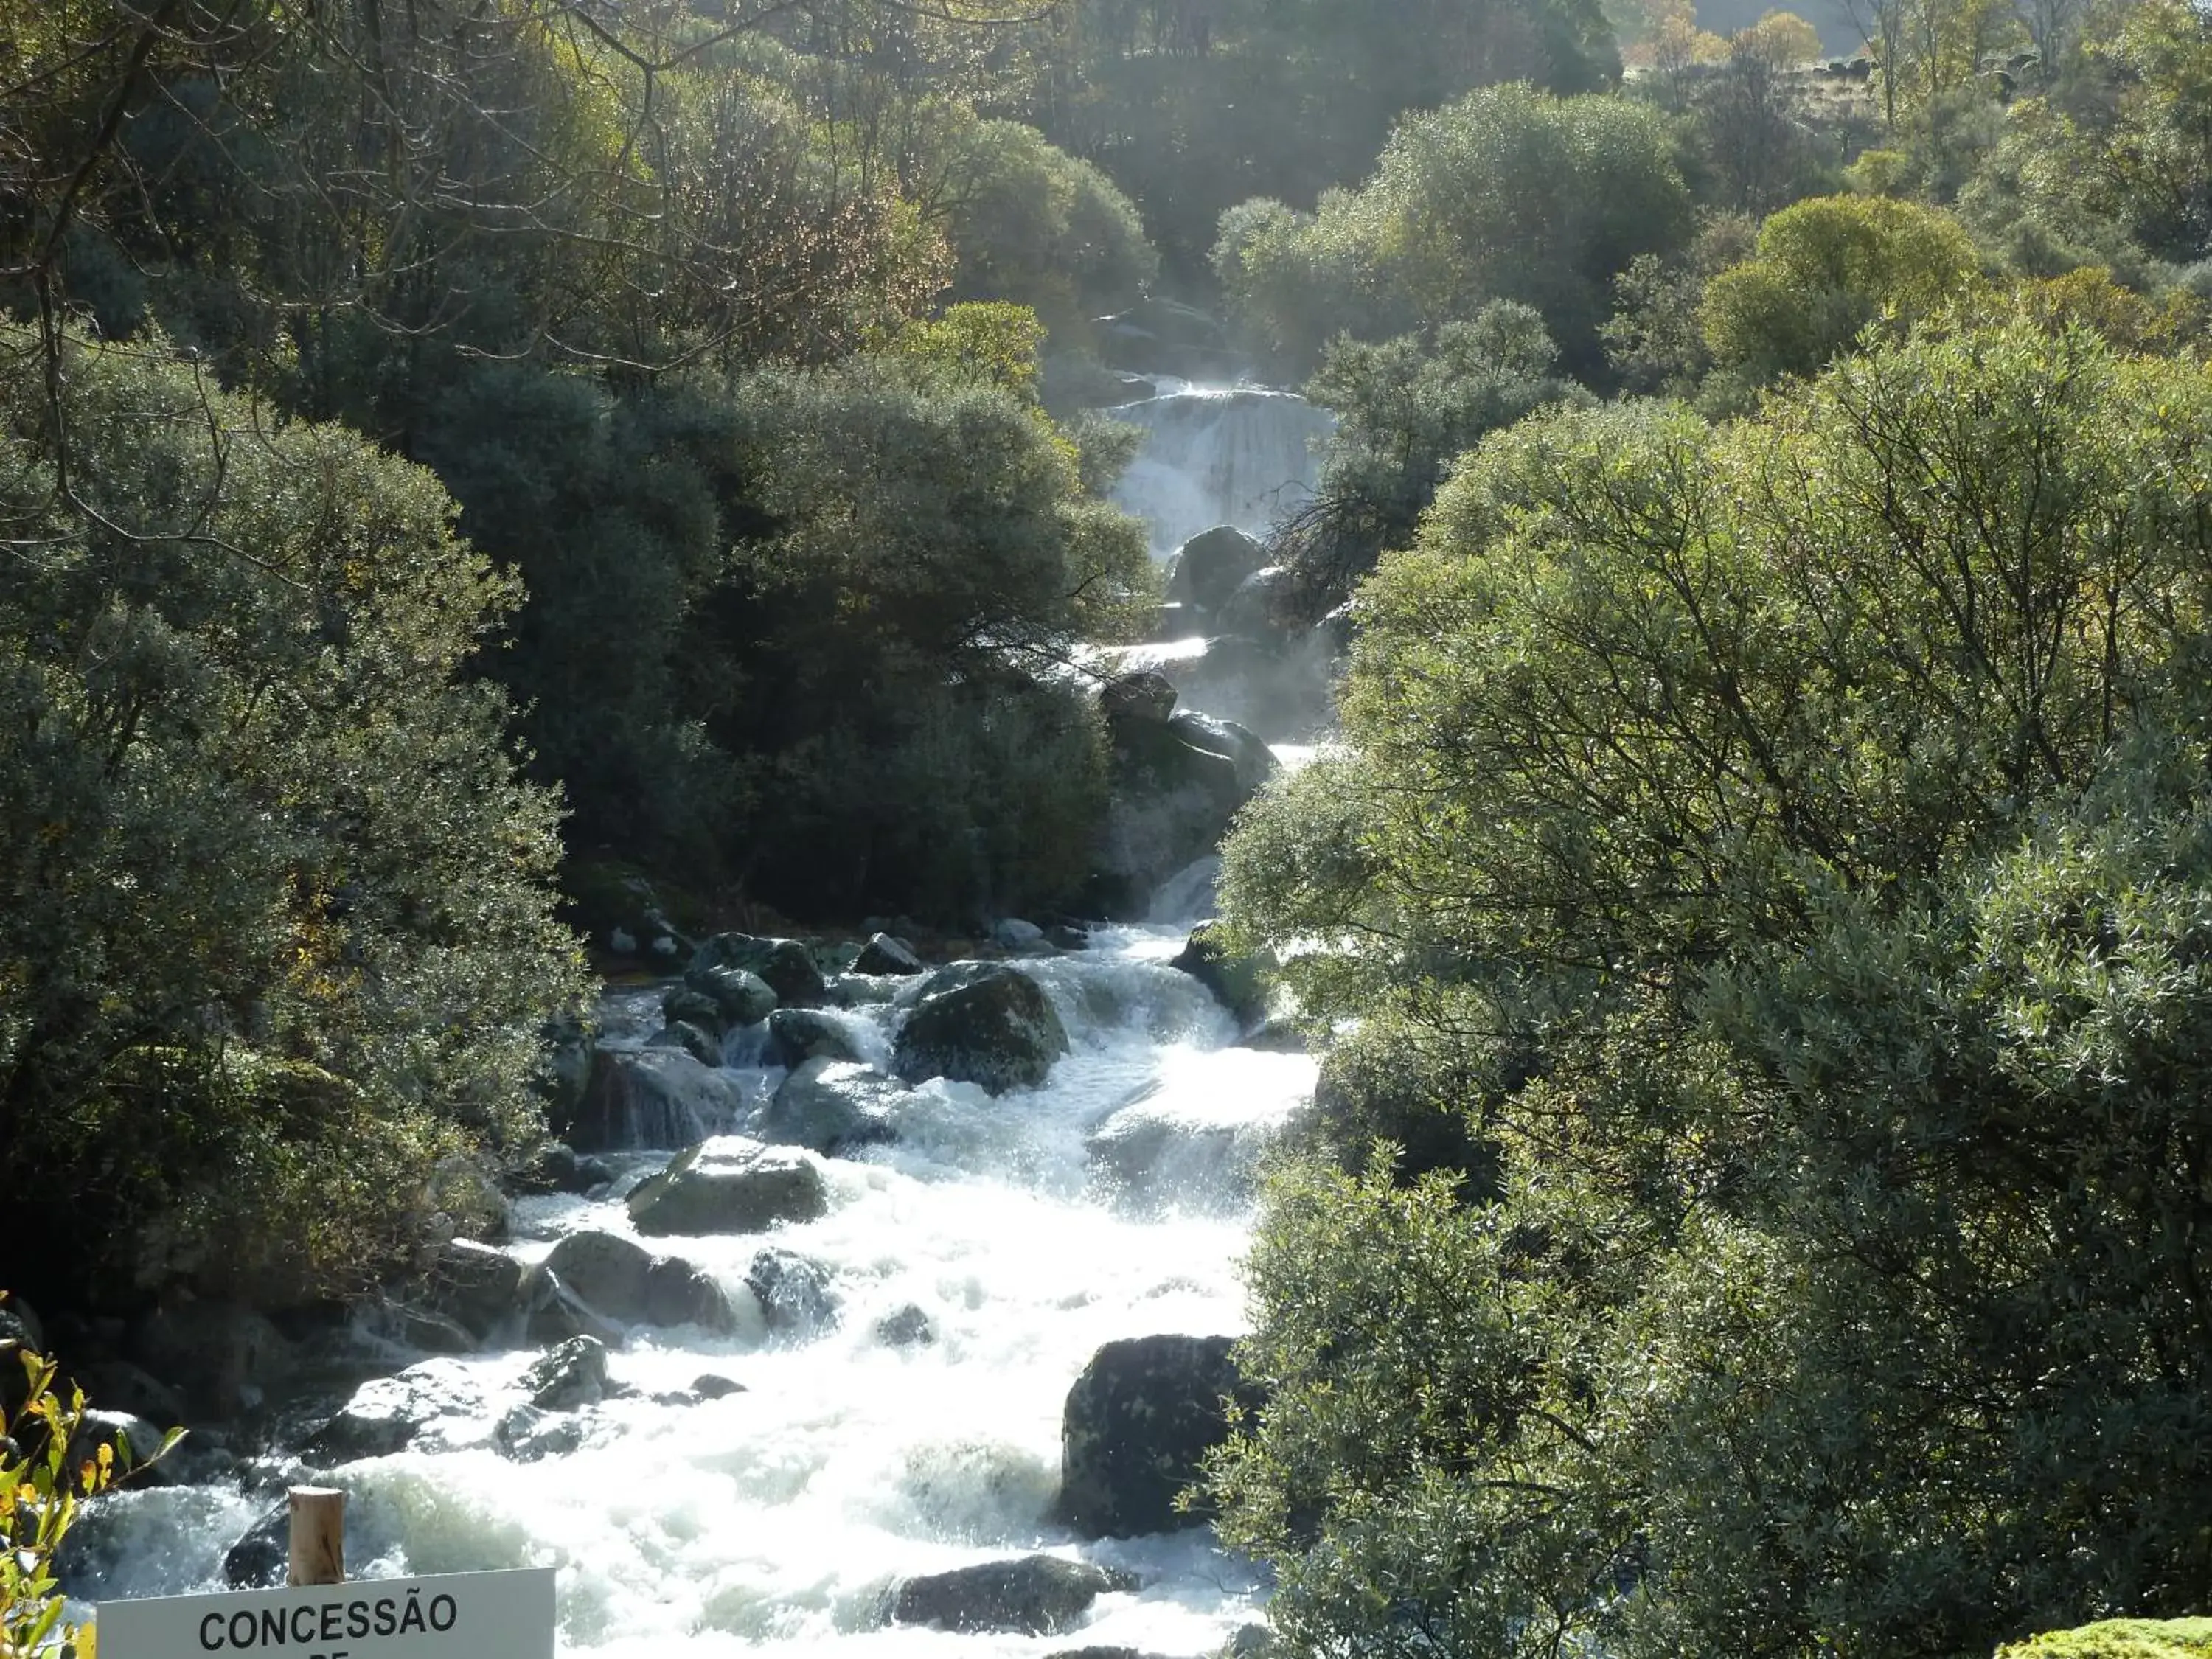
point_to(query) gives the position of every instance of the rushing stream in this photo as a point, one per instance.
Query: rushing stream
(775, 1519)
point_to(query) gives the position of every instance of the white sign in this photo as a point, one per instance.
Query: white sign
(463, 1616)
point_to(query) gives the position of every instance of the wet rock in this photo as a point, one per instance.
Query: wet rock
(605, 1269)
(1212, 564)
(1265, 605)
(905, 1328)
(711, 1387)
(556, 1313)
(793, 1292)
(739, 996)
(125, 1387)
(1235, 981)
(626, 1282)
(575, 1374)
(885, 954)
(223, 1359)
(786, 965)
(426, 1330)
(1143, 695)
(834, 1106)
(263, 1555)
(991, 1026)
(805, 1034)
(388, 1413)
(131, 1440)
(476, 1286)
(526, 1434)
(556, 1167)
(689, 1039)
(1135, 1426)
(1174, 788)
(729, 1185)
(1015, 934)
(652, 1098)
(1035, 1596)
(1243, 748)
(681, 1004)
(677, 1292)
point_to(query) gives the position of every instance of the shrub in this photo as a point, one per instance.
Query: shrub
(275, 934)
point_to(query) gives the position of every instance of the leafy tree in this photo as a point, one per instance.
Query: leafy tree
(276, 932)
(1406, 410)
(1824, 269)
(918, 558)
(1191, 108)
(1032, 225)
(1793, 836)
(1509, 193)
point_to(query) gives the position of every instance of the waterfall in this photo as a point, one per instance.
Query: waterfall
(1211, 455)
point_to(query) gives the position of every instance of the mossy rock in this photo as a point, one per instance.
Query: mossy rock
(2120, 1639)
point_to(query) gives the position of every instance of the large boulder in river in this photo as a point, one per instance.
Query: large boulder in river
(389, 1414)
(729, 1185)
(223, 1359)
(627, 1282)
(652, 1098)
(1143, 694)
(1135, 1428)
(832, 1106)
(980, 1022)
(478, 1287)
(1037, 1596)
(1175, 786)
(1236, 982)
(785, 965)
(739, 997)
(1264, 607)
(793, 1292)
(1212, 564)
(885, 953)
(799, 1035)
(575, 1374)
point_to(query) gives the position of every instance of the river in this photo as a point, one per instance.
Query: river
(776, 1520)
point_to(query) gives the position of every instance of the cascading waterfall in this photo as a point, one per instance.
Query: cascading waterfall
(1021, 1231)
(1236, 455)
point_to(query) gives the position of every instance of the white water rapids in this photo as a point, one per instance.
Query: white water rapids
(774, 1521)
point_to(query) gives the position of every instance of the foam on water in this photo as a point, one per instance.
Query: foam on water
(777, 1519)
(1238, 455)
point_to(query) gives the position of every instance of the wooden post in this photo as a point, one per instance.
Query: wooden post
(318, 1535)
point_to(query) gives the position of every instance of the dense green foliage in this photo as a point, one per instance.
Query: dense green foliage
(2120, 1639)
(1405, 412)
(1507, 194)
(1794, 836)
(1824, 269)
(276, 935)
(1192, 108)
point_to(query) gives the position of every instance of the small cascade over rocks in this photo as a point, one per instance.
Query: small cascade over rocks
(1219, 455)
(877, 1307)
(841, 1432)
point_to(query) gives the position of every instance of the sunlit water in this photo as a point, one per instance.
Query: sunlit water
(1239, 455)
(774, 1521)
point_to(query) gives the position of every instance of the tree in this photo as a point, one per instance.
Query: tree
(1406, 410)
(1792, 835)
(1507, 194)
(1826, 268)
(276, 932)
